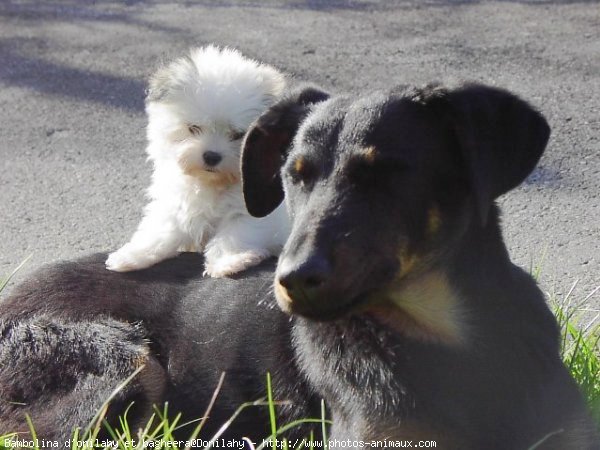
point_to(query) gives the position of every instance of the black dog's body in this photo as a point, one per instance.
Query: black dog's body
(409, 319)
(75, 331)
(197, 328)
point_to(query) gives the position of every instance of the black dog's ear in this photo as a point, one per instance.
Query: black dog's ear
(266, 146)
(501, 138)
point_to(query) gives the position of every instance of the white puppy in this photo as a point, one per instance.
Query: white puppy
(199, 108)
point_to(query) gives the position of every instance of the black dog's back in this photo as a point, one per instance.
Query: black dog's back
(74, 331)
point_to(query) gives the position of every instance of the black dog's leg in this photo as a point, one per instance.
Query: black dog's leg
(60, 372)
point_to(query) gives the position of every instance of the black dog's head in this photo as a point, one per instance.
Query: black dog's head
(379, 187)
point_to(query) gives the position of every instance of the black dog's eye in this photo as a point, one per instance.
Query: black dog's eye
(236, 135)
(370, 174)
(301, 170)
(195, 129)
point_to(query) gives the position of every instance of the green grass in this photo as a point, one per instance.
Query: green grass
(580, 346)
(158, 433)
(580, 350)
(579, 339)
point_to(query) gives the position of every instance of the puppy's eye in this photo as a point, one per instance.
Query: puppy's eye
(236, 135)
(195, 129)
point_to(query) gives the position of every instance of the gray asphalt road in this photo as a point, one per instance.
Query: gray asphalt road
(72, 122)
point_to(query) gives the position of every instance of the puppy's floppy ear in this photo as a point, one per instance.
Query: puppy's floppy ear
(159, 85)
(273, 82)
(266, 146)
(501, 138)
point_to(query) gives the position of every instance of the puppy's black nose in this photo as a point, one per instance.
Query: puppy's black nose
(211, 158)
(305, 282)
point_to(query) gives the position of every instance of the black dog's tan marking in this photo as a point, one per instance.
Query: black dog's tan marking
(425, 308)
(408, 317)
(369, 155)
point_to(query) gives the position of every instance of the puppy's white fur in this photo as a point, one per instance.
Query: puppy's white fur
(203, 103)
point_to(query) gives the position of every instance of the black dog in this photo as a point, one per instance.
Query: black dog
(408, 317)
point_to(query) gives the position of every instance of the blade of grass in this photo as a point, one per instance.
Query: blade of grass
(324, 426)
(234, 416)
(209, 408)
(32, 432)
(6, 437)
(272, 418)
(4, 282)
(98, 418)
(291, 425)
(544, 439)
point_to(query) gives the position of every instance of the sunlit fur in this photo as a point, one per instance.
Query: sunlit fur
(426, 308)
(203, 102)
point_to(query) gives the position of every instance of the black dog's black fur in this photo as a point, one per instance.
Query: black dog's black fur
(74, 332)
(408, 317)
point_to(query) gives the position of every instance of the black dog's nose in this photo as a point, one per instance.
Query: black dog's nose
(211, 158)
(305, 282)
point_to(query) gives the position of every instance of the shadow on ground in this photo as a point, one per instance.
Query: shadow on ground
(46, 77)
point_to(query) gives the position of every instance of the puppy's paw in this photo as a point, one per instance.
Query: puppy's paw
(230, 264)
(127, 259)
